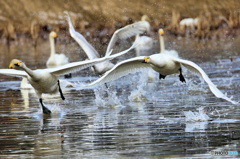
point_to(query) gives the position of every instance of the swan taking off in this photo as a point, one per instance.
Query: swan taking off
(55, 59)
(145, 42)
(45, 80)
(165, 63)
(123, 33)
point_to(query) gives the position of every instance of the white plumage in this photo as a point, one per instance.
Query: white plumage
(123, 33)
(55, 59)
(165, 63)
(45, 80)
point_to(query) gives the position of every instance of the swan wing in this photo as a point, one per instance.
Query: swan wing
(77, 66)
(121, 69)
(198, 70)
(89, 50)
(128, 31)
(12, 72)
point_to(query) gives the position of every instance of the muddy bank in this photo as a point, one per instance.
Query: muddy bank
(100, 18)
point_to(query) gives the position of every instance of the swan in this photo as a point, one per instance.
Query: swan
(123, 33)
(45, 80)
(145, 42)
(55, 59)
(165, 63)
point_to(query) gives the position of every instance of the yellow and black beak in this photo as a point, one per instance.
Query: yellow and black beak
(161, 32)
(17, 64)
(145, 60)
(10, 66)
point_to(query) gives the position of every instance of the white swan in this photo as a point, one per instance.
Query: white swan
(163, 63)
(55, 59)
(145, 42)
(123, 33)
(45, 80)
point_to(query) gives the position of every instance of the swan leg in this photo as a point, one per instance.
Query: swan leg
(161, 76)
(60, 90)
(44, 109)
(182, 79)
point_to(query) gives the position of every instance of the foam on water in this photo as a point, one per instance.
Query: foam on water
(196, 116)
(106, 96)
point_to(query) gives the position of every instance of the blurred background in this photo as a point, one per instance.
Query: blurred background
(100, 18)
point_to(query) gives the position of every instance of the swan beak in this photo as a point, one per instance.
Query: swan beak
(161, 32)
(10, 66)
(55, 35)
(145, 60)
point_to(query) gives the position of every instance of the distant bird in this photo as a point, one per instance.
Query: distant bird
(188, 24)
(45, 80)
(55, 60)
(165, 63)
(145, 42)
(123, 33)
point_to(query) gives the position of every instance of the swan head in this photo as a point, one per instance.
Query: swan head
(53, 34)
(16, 64)
(161, 32)
(145, 18)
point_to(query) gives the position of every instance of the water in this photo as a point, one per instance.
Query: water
(132, 117)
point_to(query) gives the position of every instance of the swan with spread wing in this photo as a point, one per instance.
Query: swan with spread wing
(46, 80)
(165, 63)
(123, 33)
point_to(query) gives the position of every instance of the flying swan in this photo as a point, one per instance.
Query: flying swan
(45, 80)
(123, 33)
(165, 63)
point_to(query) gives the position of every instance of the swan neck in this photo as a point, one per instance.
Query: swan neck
(51, 39)
(162, 44)
(28, 70)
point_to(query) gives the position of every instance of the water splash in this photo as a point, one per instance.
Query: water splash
(196, 116)
(139, 94)
(106, 96)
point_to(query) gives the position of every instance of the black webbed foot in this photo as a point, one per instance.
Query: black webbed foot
(68, 75)
(161, 76)
(182, 79)
(44, 109)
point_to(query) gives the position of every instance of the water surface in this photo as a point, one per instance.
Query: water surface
(133, 117)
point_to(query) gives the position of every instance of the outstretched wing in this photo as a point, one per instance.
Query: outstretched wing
(77, 66)
(12, 72)
(88, 49)
(121, 69)
(198, 70)
(127, 32)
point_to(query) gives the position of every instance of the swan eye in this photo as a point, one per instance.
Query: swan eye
(17, 64)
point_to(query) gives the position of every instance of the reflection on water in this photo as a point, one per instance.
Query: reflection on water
(130, 117)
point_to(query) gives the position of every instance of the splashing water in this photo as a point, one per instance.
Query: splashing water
(196, 116)
(106, 96)
(139, 95)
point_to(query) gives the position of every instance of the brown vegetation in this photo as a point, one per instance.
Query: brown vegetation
(100, 18)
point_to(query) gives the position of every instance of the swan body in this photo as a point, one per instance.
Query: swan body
(165, 64)
(189, 22)
(55, 59)
(122, 33)
(45, 80)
